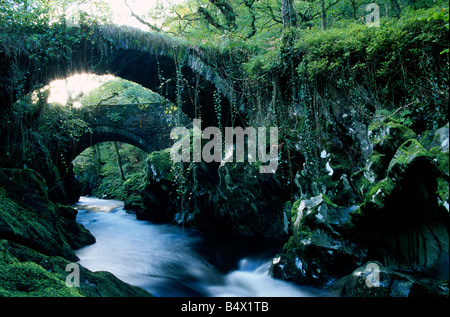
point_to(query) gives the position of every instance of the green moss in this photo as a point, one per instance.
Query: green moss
(387, 135)
(442, 163)
(442, 160)
(409, 152)
(376, 166)
(30, 279)
(294, 210)
(328, 201)
(29, 218)
(26, 272)
(161, 165)
(379, 193)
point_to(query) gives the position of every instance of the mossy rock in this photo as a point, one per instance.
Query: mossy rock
(375, 280)
(401, 212)
(387, 135)
(378, 194)
(437, 142)
(29, 218)
(376, 166)
(29, 279)
(26, 272)
(442, 164)
(436, 138)
(317, 252)
(160, 165)
(374, 171)
(410, 152)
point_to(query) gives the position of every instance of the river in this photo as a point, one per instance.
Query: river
(171, 261)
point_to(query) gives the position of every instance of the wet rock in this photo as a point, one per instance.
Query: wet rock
(67, 212)
(235, 199)
(157, 202)
(319, 251)
(387, 135)
(401, 220)
(232, 199)
(375, 280)
(437, 143)
(402, 223)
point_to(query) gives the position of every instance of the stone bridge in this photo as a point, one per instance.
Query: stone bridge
(168, 66)
(146, 126)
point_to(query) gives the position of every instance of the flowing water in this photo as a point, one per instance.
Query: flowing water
(168, 260)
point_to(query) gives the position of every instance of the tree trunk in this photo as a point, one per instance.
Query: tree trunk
(119, 161)
(323, 15)
(227, 11)
(288, 14)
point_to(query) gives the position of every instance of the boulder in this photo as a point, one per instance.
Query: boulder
(437, 143)
(157, 202)
(375, 280)
(401, 221)
(318, 251)
(387, 135)
(232, 199)
(26, 272)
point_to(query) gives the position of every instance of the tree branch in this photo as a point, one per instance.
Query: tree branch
(272, 15)
(227, 11)
(249, 5)
(209, 18)
(151, 26)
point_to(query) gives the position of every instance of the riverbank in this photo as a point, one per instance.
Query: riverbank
(37, 242)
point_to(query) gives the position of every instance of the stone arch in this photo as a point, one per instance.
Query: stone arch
(146, 126)
(105, 134)
(149, 59)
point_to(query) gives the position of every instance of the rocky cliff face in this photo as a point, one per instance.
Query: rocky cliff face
(28, 217)
(402, 221)
(233, 199)
(392, 210)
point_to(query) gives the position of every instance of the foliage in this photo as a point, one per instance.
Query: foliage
(97, 168)
(39, 136)
(118, 91)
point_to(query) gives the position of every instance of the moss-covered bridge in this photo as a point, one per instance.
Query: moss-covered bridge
(169, 66)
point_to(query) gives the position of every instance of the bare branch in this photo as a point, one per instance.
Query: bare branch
(151, 26)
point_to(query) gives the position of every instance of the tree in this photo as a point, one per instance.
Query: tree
(227, 11)
(396, 6)
(288, 13)
(323, 15)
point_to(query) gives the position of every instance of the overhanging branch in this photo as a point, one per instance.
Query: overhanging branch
(151, 26)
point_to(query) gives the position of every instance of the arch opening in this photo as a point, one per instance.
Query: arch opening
(112, 109)
(110, 170)
(48, 133)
